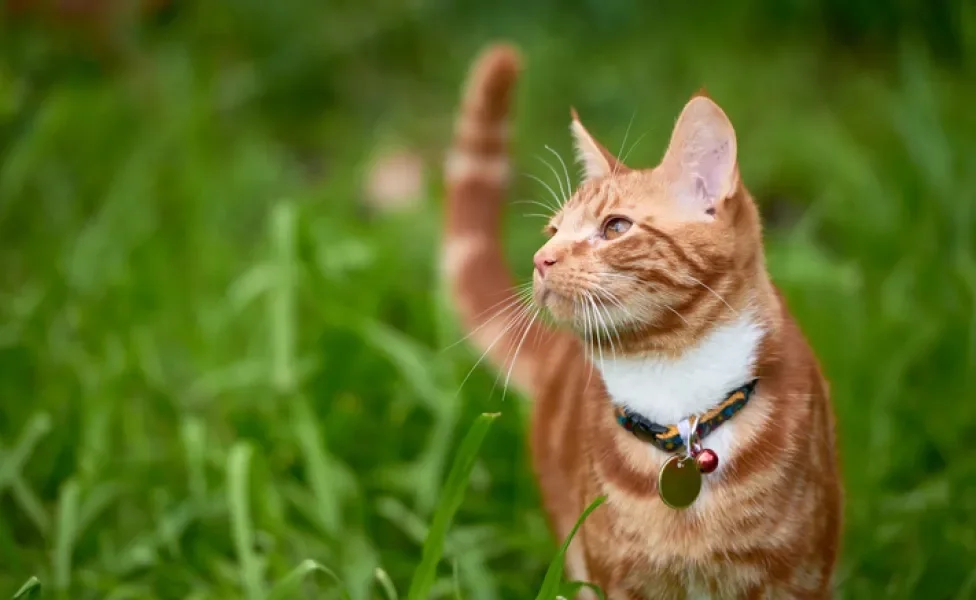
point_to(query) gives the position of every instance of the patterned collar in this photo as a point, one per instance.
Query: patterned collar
(667, 438)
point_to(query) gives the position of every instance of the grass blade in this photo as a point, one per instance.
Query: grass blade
(13, 462)
(359, 562)
(452, 496)
(281, 304)
(554, 575)
(389, 590)
(322, 478)
(194, 435)
(98, 498)
(289, 584)
(29, 590)
(30, 503)
(67, 528)
(571, 589)
(457, 582)
(238, 497)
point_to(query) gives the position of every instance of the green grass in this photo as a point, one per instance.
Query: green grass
(221, 378)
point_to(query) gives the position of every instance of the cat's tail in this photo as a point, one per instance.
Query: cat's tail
(476, 177)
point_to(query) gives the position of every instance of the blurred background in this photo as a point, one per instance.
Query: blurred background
(223, 345)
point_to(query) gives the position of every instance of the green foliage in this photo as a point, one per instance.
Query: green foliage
(31, 589)
(215, 366)
(554, 575)
(452, 496)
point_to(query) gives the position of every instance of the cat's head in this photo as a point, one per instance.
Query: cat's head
(665, 247)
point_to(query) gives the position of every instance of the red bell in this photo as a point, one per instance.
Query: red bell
(707, 461)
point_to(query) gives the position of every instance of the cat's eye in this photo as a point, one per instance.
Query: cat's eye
(549, 230)
(615, 227)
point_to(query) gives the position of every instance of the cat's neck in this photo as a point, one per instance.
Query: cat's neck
(667, 388)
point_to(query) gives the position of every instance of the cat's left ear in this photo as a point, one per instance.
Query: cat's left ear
(701, 157)
(596, 160)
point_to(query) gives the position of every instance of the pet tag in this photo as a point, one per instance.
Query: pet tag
(679, 482)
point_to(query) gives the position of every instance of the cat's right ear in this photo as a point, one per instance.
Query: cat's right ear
(595, 160)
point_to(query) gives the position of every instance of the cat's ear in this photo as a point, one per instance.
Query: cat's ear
(701, 157)
(595, 160)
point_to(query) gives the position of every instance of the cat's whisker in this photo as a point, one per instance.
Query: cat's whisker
(608, 294)
(518, 347)
(581, 321)
(626, 133)
(599, 324)
(661, 305)
(547, 207)
(597, 304)
(623, 276)
(612, 297)
(594, 331)
(564, 193)
(677, 314)
(517, 323)
(638, 141)
(502, 334)
(569, 182)
(587, 345)
(552, 192)
(627, 313)
(620, 161)
(603, 321)
(509, 357)
(510, 301)
(716, 294)
(586, 326)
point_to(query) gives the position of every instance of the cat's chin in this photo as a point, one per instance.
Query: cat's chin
(560, 308)
(566, 313)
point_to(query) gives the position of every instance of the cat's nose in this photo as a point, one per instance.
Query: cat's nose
(543, 260)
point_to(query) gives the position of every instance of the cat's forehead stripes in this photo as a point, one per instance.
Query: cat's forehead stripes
(596, 196)
(587, 206)
(637, 195)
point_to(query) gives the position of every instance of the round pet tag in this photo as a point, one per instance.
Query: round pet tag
(679, 482)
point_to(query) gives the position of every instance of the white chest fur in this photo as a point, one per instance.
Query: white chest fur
(666, 390)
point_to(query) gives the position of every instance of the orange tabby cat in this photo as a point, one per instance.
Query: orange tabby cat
(667, 314)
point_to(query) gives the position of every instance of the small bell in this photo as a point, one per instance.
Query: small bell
(707, 460)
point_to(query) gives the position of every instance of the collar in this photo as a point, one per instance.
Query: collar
(667, 437)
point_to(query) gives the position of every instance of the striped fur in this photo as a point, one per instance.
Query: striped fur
(663, 314)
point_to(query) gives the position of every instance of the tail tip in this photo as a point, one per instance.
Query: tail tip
(502, 58)
(495, 71)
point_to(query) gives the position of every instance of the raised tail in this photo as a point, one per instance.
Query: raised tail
(476, 175)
